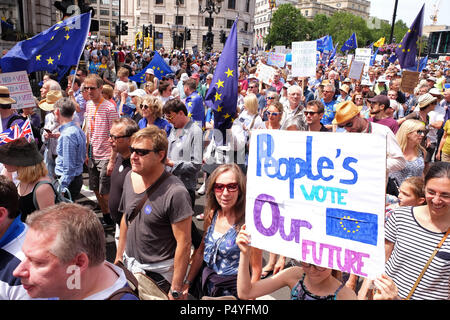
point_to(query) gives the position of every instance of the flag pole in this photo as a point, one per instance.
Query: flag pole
(420, 51)
(82, 49)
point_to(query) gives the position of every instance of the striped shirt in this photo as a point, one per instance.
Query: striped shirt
(99, 118)
(413, 247)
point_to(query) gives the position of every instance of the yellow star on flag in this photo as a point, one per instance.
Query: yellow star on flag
(59, 56)
(50, 60)
(229, 73)
(67, 28)
(219, 108)
(226, 116)
(38, 58)
(190, 103)
(219, 84)
(218, 96)
(157, 68)
(67, 36)
(189, 114)
(53, 37)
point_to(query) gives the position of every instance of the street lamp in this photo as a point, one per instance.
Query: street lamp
(212, 6)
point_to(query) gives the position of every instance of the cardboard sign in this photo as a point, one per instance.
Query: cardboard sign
(19, 88)
(304, 58)
(315, 197)
(410, 79)
(276, 59)
(356, 70)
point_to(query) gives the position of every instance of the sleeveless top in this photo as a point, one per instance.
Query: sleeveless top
(300, 292)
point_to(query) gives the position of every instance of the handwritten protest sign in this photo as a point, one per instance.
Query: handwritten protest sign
(319, 198)
(410, 79)
(264, 73)
(356, 69)
(276, 59)
(304, 58)
(19, 88)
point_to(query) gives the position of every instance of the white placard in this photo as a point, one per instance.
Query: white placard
(356, 69)
(319, 197)
(19, 88)
(264, 73)
(304, 58)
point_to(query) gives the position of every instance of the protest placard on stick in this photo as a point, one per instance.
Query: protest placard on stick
(19, 88)
(410, 79)
(304, 60)
(356, 69)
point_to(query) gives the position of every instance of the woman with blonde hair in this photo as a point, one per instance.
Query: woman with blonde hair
(274, 115)
(151, 109)
(409, 137)
(24, 158)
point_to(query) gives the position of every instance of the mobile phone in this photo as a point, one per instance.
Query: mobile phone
(47, 130)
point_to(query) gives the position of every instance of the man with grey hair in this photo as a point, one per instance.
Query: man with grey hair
(330, 105)
(293, 108)
(71, 148)
(65, 252)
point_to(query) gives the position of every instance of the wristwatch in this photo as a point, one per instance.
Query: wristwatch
(175, 294)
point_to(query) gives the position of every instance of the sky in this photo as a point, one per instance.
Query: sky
(407, 10)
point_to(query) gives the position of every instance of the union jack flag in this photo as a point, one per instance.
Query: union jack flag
(16, 132)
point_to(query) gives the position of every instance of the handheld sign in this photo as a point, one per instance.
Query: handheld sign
(276, 59)
(19, 88)
(410, 79)
(356, 70)
(319, 198)
(304, 58)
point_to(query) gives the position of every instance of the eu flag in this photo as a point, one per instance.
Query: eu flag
(406, 51)
(325, 43)
(351, 43)
(352, 225)
(60, 45)
(223, 93)
(374, 56)
(159, 66)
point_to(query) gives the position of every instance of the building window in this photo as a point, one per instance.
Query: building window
(179, 20)
(231, 4)
(115, 13)
(207, 22)
(247, 6)
(159, 1)
(158, 19)
(306, 13)
(114, 2)
(246, 26)
(104, 23)
(180, 2)
(104, 12)
(229, 23)
(104, 1)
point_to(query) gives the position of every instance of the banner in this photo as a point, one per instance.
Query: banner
(325, 204)
(304, 58)
(19, 88)
(276, 59)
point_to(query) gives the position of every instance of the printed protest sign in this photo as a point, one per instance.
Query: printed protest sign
(19, 88)
(304, 58)
(276, 59)
(356, 69)
(319, 197)
(264, 73)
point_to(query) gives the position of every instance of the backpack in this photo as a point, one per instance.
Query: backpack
(60, 195)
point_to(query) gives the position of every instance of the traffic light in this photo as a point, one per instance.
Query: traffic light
(124, 29)
(181, 36)
(188, 34)
(223, 38)
(145, 31)
(118, 29)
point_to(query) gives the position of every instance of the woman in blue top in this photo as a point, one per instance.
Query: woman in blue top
(94, 65)
(151, 110)
(215, 263)
(308, 282)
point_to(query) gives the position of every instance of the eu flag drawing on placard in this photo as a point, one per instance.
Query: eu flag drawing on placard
(352, 225)
(60, 45)
(351, 43)
(159, 67)
(406, 51)
(223, 93)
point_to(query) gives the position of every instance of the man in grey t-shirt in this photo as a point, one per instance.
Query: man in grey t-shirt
(158, 240)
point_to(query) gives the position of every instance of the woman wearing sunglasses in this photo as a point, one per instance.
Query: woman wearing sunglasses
(151, 111)
(215, 263)
(274, 115)
(306, 282)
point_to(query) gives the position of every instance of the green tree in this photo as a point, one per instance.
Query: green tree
(342, 24)
(287, 25)
(319, 26)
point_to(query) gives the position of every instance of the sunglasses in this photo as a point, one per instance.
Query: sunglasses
(308, 265)
(421, 132)
(231, 187)
(169, 117)
(270, 98)
(273, 113)
(90, 88)
(113, 137)
(347, 125)
(142, 152)
(310, 113)
(145, 107)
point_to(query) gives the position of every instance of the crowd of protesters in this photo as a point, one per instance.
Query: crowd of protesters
(146, 150)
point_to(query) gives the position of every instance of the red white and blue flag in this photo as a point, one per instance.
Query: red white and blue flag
(17, 131)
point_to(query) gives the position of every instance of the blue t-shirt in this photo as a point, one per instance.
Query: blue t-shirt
(329, 113)
(159, 122)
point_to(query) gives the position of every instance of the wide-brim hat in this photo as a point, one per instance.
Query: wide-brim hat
(48, 104)
(5, 97)
(20, 153)
(425, 100)
(345, 88)
(346, 111)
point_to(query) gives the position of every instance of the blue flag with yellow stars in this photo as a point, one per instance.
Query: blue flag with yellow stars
(406, 51)
(159, 67)
(223, 92)
(351, 43)
(60, 45)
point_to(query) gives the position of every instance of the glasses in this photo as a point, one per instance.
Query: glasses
(142, 152)
(113, 137)
(347, 125)
(270, 98)
(310, 113)
(231, 187)
(421, 132)
(273, 113)
(252, 87)
(169, 117)
(308, 265)
(90, 88)
(328, 91)
(145, 107)
(79, 74)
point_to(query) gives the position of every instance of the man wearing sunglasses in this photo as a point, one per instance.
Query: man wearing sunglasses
(313, 114)
(348, 117)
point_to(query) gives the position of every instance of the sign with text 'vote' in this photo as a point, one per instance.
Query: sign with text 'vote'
(319, 197)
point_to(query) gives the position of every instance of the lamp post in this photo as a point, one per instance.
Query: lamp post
(212, 6)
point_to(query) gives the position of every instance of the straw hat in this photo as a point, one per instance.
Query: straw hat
(20, 153)
(48, 103)
(346, 111)
(345, 88)
(425, 100)
(4, 96)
